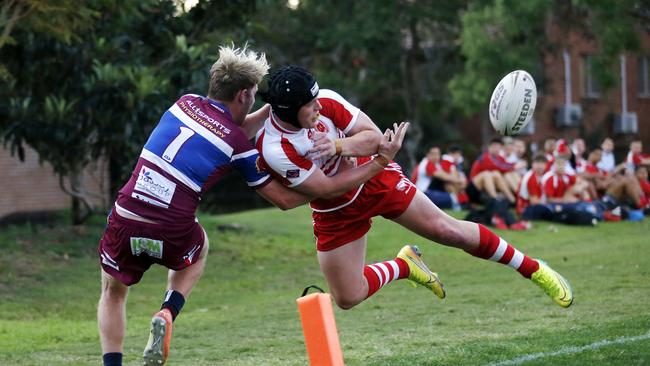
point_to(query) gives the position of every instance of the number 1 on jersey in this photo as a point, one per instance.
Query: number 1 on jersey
(172, 149)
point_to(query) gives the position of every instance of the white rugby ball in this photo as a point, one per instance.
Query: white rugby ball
(513, 103)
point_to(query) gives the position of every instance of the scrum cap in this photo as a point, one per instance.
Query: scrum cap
(290, 88)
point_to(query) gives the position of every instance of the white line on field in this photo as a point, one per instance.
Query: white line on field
(571, 350)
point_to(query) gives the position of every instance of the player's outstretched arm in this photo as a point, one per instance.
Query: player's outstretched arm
(321, 186)
(364, 139)
(254, 121)
(282, 197)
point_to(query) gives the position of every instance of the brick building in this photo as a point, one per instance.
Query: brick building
(30, 188)
(572, 104)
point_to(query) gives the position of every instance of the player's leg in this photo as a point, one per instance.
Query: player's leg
(484, 181)
(513, 179)
(502, 186)
(179, 285)
(343, 269)
(111, 316)
(183, 281)
(351, 281)
(427, 220)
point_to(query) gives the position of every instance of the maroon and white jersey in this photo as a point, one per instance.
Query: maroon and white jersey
(193, 146)
(286, 153)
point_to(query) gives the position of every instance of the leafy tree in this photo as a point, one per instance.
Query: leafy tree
(57, 18)
(96, 97)
(389, 57)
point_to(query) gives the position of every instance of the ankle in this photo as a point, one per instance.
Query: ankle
(112, 359)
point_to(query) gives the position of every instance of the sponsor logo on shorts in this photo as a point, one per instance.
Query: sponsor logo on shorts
(154, 184)
(404, 185)
(190, 255)
(107, 260)
(151, 247)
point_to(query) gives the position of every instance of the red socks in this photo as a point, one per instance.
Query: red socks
(380, 274)
(494, 248)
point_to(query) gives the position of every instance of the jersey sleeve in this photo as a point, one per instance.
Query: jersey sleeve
(430, 169)
(246, 160)
(284, 160)
(343, 114)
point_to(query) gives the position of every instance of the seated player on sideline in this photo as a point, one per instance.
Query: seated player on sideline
(196, 142)
(489, 172)
(302, 159)
(439, 179)
(636, 157)
(607, 161)
(530, 191)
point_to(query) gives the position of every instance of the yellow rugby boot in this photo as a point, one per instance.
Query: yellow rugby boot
(555, 286)
(419, 273)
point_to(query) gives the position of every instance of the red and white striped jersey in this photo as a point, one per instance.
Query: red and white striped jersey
(555, 185)
(422, 175)
(530, 186)
(286, 153)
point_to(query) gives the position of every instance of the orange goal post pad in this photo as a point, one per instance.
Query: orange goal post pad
(319, 328)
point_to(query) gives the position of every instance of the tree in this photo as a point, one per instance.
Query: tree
(98, 96)
(389, 57)
(60, 19)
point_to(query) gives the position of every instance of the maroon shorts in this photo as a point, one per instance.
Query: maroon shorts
(388, 194)
(128, 248)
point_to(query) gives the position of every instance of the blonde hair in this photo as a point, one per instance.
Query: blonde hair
(236, 69)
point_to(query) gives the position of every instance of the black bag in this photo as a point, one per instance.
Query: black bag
(494, 207)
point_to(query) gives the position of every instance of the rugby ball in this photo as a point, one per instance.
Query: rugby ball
(513, 103)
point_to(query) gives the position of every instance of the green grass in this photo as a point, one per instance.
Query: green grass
(243, 311)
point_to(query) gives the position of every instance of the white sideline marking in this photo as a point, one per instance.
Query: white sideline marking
(571, 350)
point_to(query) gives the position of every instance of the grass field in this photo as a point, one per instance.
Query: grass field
(243, 312)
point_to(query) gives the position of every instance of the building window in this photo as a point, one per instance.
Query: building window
(644, 79)
(591, 87)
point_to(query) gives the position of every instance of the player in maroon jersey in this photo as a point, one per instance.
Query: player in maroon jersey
(197, 141)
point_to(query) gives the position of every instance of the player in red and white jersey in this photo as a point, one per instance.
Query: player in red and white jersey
(423, 172)
(439, 180)
(153, 221)
(560, 187)
(298, 151)
(578, 149)
(530, 190)
(636, 157)
(489, 174)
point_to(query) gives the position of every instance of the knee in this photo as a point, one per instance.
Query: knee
(346, 302)
(114, 291)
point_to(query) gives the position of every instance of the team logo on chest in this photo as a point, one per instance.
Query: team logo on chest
(321, 127)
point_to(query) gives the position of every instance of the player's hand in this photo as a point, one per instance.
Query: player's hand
(324, 147)
(392, 140)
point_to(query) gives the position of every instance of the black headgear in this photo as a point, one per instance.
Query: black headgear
(290, 88)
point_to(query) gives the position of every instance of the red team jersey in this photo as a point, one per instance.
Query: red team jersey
(556, 185)
(530, 186)
(339, 220)
(634, 159)
(423, 174)
(490, 162)
(592, 169)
